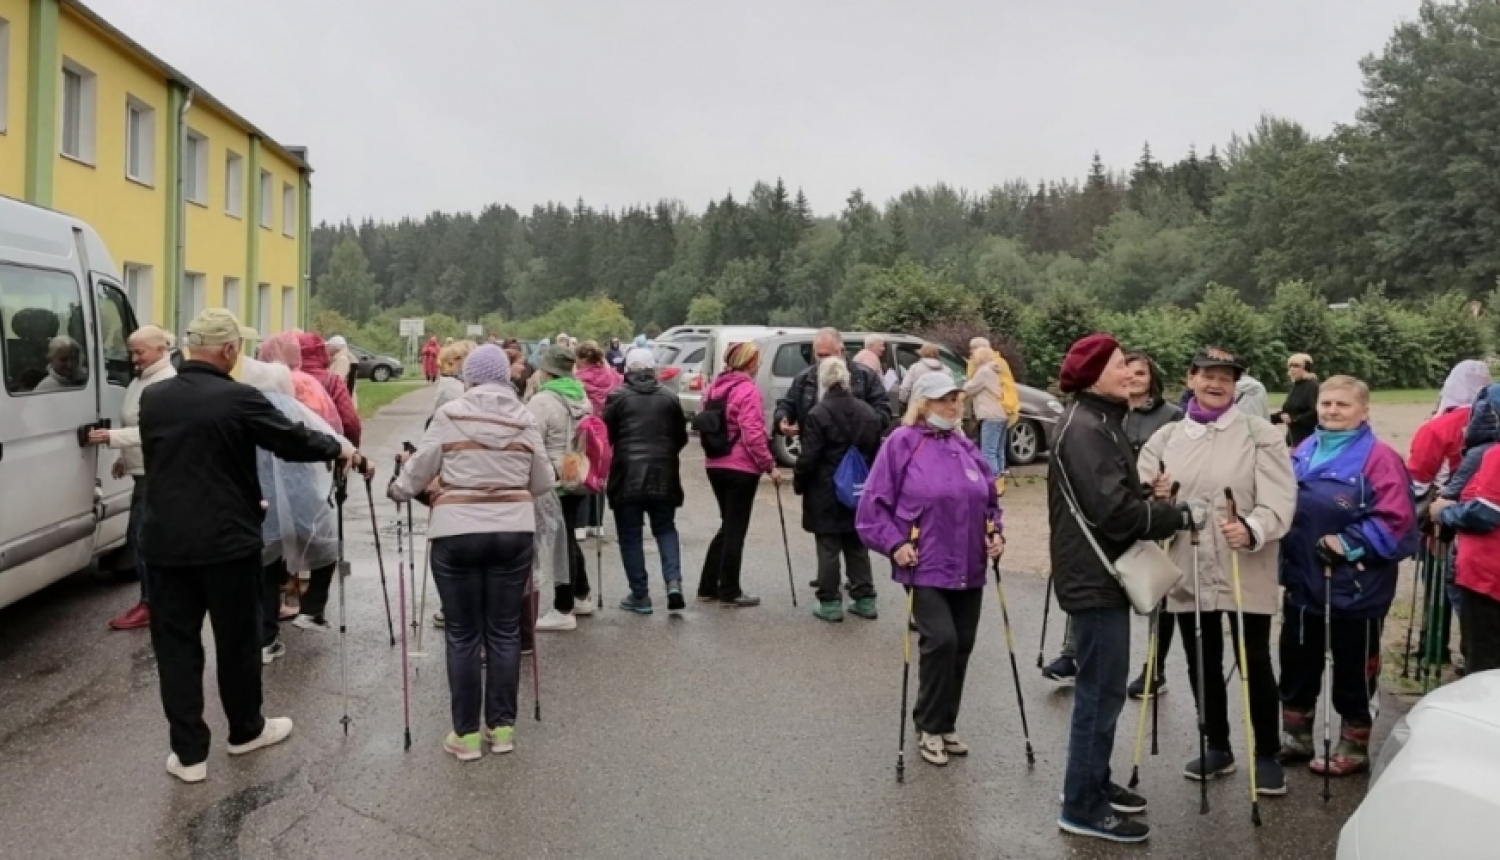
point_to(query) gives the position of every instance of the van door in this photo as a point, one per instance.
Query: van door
(114, 324)
(47, 469)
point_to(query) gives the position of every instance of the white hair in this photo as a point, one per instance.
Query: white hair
(978, 343)
(873, 340)
(833, 373)
(152, 336)
(63, 344)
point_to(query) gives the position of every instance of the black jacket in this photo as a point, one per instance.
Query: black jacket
(1092, 449)
(1143, 422)
(827, 433)
(1301, 407)
(647, 430)
(800, 398)
(199, 435)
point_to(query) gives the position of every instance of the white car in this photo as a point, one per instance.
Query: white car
(1435, 790)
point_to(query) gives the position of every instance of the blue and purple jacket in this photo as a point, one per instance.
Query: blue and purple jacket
(1363, 496)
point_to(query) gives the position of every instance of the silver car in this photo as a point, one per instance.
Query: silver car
(784, 356)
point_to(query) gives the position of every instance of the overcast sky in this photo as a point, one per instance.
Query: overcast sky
(414, 105)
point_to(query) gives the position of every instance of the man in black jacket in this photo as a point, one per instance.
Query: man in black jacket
(647, 430)
(1092, 463)
(802, 396)
(202, 537)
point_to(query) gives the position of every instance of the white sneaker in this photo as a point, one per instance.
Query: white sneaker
(597, 531)
(272, 652)
(954, 746)
(277, 730)
(932, 748)
(580, 534)
(186, 773)
(311, 622)
(584, 606)
(555, 620)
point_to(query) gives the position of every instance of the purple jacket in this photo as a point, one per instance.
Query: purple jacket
(746, 419)
(1362, 495)
(941, 484)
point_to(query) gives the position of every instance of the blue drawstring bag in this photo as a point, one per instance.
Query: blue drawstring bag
(849, 478)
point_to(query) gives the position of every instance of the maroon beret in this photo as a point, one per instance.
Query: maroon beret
(1085, 362)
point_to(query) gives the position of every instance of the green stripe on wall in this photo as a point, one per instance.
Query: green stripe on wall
(171, 280)
(252, 236)
(43, 78)
(304, 252)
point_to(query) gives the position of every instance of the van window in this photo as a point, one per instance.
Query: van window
(116, 325)
(792, 358)
(41, 315)
(694, 358)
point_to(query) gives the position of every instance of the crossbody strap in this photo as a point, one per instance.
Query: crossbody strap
(1073, 508)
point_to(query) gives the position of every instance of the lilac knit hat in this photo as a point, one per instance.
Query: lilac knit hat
(487, 365)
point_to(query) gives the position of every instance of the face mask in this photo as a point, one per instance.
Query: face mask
(938, 422)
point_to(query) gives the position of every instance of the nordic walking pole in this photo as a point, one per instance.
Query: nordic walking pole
(426, 569)
(1327, 680)
(911, 603)
(1046, 610)
(1202, 690)
(1239, 612)
(787, 547)
(1010, 647)
(599, 549)
(385, 591)
(532, 603)
(401, 599)
(340, 493)
(1140, 728)
(1411, 617)
(1156, 694)
(411, 552)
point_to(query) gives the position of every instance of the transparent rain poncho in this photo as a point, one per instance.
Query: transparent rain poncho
(300, 516)
(550, 563)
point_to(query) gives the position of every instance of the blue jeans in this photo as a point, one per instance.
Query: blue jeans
(992, 438)
(630, 520)
(134, 528)
(1102, 637)
(481, 579)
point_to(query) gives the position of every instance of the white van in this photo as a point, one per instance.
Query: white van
(64, 322)
(719, 339)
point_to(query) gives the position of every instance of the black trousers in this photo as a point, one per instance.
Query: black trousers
(230, 595)
(735, 492)
(1265, 702)
(274, 577)
(575, 510)
(1356, 663)
(947, 623)
(848, 546)
(315, 600)
(1480, 619)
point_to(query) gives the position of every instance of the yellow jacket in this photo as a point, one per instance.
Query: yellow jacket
(992, 387)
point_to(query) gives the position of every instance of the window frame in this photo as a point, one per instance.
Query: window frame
(194, 286)
(288, 302)
(235, 307)
(107, 289)
(234, 192)
(139, 114)
(85, 121)
(288, 210)
(126, 269)
(196, 167)
(267, 204)
(262, 308)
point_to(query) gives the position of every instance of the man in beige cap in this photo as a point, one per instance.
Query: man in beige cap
(202, 536)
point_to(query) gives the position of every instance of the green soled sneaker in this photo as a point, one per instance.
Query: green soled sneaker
(864, 608)
(829, 610)
(462, 747)
(502, 739)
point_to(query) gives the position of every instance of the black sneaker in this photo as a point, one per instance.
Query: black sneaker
(1137, 688)
(675, 603)
(1111, 827)
(741, 602)
(1063, 670)
(1123, 800)
(1220, 763)
(1270, 776)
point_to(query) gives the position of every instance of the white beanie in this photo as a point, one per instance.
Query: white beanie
(640, 359)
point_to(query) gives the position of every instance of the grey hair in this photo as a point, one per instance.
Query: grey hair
(152, 336)
(872, 340)
(978, 343)
(828, 333)
(833, 373)
(62, 343)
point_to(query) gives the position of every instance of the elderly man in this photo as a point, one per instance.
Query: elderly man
(65, 367)
(865, 384)
(202, 537)
(149, 352)
(341, 363)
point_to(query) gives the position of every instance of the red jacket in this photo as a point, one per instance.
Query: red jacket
(315, 364)
(1437, 446)
(1475, 517)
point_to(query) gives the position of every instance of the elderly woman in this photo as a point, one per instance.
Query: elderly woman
(1355, 523)
(559, 403)
(315, 364)
(1094, 484)
(734, 473)
(285, 349)
(450, 385)
(840, 423)
(1219, 448)
(1299, 412)
(598, 379)
(927, 362)
(488, 453)
(930, 505)
(149, 352)
(996, 405)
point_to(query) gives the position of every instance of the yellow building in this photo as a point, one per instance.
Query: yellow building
(199, 207)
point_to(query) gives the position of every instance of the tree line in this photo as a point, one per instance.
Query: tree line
(1396, 215)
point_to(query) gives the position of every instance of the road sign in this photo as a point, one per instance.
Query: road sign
(412, 328)
(476, 331)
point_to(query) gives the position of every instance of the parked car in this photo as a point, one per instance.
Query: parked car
(784, 356)
(676, 360)
(379, 368)
(1433, 792)
(717, 340)
(60, 508)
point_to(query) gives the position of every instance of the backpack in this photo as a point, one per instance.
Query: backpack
(712, 424)
(849, 478)
(587, 456)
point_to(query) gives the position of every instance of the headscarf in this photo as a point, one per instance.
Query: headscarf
(741, 356)
(1465, 381)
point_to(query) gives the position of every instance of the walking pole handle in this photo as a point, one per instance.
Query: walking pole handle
(1234, 510)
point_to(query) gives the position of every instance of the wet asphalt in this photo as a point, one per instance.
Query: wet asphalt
(755, 733)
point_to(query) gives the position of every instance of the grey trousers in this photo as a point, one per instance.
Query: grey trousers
(856, 558)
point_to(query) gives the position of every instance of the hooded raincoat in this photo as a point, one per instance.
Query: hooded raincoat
(1463, 385)
(301, 524)
(315, 364)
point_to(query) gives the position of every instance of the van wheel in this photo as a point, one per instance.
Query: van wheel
(1024, 445)
(381, 373)
(785, 449)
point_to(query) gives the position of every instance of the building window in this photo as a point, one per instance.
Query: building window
(234, 184)
(42, 309)
(233, 299)
(267, 205)
(262, 308)
(195, 168)
(288, 308)
(79, 91)
(288, 209)
(194, 294)
(4, 75)
(140, 141)
(138, 290)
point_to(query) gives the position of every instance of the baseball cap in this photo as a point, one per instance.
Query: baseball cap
(933, 386)
(1213, 356)
(216, 327)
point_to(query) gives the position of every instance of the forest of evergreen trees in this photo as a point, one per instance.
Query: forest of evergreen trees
(1246, 243)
